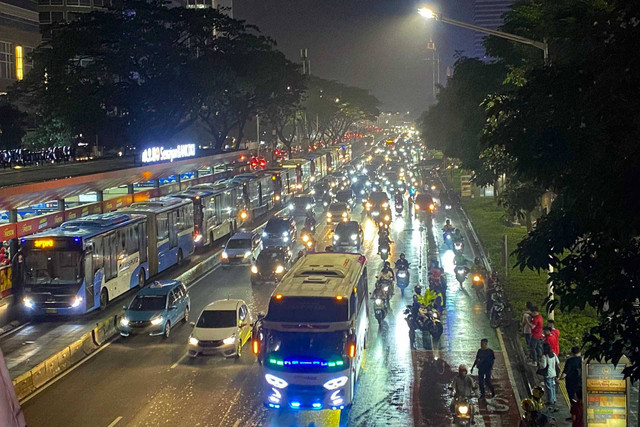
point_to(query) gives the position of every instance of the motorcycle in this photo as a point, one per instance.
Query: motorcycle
(310, 223)
(496, 314)
(384, 251)
(402, 279)
(462, 411)
(477, 282)
(387, 291)
(458, 247)
(447, 236)
(399, 208)
(379, 308)
(307, 240)
(428, 321)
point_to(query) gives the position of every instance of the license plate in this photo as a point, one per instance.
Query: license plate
(51, 310)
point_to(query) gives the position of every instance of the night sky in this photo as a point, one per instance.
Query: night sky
(379, 45)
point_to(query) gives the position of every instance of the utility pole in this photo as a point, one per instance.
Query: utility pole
(258, 132)
(304, 59)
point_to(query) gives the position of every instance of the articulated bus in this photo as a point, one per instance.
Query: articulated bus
(84, 263)
(303, 172)
(215, 211)
(170, 227)
(258, 192)
(311, 341)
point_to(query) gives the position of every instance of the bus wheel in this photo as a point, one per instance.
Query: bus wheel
(180, 257)
(211, 240)
(141, 278)
(104, 299)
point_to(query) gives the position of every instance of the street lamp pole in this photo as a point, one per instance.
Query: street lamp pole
(543, 45)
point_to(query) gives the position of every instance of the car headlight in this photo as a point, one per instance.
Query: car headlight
(344, 214)
(279, 269)
(285, 234)
(225, 255)
(124, 321)
(254, 269)
(193, 341)
(329, 215)
(230, 340)
(291, 206)
(76, 301)
(335, 383)
(354, 236)
(156, 320)
(264, 234)
(247, 254)
(277, 382)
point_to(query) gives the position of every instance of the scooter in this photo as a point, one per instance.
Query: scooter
(462, 411)
(310, 223)
(458, 247)
(447, 236)
(477, 282)
(387, 291)
(496, 314)
(379, 309)
(384, 252)
(402, 279)
(307, 240)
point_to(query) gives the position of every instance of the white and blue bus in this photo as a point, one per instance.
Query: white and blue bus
(170, 230)
(84, 263)
(311, 341)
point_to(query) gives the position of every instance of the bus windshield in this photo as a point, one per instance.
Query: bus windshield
(52, 267)
(308, 310)
(310, 351)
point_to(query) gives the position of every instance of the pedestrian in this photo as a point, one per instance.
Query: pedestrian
(526, 324)
(484, 361)
(551, 339)
(537, 337)
(577, 415)
(554, 331)
(572, 373)
(10, 412)
(550, 371)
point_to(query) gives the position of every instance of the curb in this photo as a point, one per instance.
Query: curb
(10, 327)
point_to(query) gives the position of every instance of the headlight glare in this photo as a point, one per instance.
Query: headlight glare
(335, 383)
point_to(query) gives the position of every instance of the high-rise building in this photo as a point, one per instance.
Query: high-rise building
(225, 5)
(488, 14)
(19, 35)
(53, 11)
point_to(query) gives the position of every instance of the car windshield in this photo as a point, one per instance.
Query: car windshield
(239, 244)
(338, 207)
(148, 303)
(343, 196)
(346, 229)
(378, 197)
(275, 226)
(303, 202)
(52, 267)
(266, 256)
(217, 319)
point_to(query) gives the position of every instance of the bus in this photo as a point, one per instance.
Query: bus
(170, 230)
(310, 343)
(258, 192)
(303, 172)
(215, 211)
(83, 264)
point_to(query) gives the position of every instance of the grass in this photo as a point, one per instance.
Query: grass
(527, 285)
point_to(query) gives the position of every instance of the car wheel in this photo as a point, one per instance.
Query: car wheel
(185, 319)
(167, 330)
(104, 299)
(239, 349)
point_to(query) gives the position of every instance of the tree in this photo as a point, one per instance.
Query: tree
(572, 128)
(12, 126)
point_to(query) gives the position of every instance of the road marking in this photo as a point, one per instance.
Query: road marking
(237, 423)
(179, 360)
(12, 331)
(114, 422)
(67, 372)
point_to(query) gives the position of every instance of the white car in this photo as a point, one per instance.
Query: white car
(223, 327)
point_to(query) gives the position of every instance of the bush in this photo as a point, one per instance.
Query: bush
(522, 286)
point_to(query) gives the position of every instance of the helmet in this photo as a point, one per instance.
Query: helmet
(386, 265)
(537, 392)
(402, 256)
(528, 405)
(477, 260)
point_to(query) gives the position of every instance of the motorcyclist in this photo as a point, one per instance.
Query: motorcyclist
(462, 387)
(386, 274)
(398, 198)
(402, 263)
(460, 261)
(447, 226)
(478, 267)
(433, 264)
(328, 248)
(384, 240)
(310, 221)
(457, 236)
(300, 255)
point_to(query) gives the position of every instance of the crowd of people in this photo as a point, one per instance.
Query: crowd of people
(26, 157)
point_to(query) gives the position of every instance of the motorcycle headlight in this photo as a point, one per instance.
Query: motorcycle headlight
(378, 301)
(384, 250)
(463, 409)
(279, 269)
(336, 237)
(387, 217)
(277, 382)
(386, 289)
(402, 274)
(291, 206)
(156, 320)
(329, 214)
(230, 340)
(335, 383)
(254, 269)
(385, 205)
(224, 255)
(344, 214)
(285, 234)
(354, 236)
(264, 234)
(305, 237)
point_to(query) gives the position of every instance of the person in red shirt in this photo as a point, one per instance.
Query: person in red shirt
(552, 339)
(537, 336)
(554, 331)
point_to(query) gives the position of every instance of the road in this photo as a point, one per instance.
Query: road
(142, 381)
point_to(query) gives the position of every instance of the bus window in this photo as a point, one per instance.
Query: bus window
(141, 229)
(162, 227)
(353, 304)
(98, 254)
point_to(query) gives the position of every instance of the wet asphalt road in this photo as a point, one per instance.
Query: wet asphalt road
(142, 381)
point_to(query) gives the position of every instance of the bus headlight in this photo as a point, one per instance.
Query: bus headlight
(193, 341)
(230, 340)
(254, 269)
(277, 382)
(76, 301)
(28, 302)
(279, 269)
(335, 383)
(156, 320)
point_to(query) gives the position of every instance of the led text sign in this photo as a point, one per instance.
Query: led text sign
(161, 154)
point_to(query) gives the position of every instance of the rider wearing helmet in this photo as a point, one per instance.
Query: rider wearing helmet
(447, 226)
(402, 263)
(462, 386)
(478, 267)
(457, 235)
(310, 221)
(387, 272)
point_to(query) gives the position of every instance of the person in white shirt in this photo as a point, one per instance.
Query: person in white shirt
(550, 365)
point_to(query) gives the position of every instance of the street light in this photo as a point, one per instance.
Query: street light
(428, 13)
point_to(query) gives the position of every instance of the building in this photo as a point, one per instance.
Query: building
(19, 35)
(53, 11)
(488, 14)
(226, 5)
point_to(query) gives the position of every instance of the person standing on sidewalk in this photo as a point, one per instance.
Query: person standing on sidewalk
(554, 331)
(484, 361)
(551, 339)
(572, 373)
(526, 324)
(10, 412)
(577, 411)
(536, 336)
(550, 370)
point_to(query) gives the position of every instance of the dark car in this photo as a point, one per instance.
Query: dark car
(270, 265)
(300, 205)
(338, 212)
(378, 201)
(348, 234)
(424, 203)
(279, 232)
(346, 196)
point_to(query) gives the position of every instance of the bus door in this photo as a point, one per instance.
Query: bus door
(299, 178)
(173, 229)
(90, 276)
(200, 217)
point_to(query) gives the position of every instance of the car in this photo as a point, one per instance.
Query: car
(319, 190)
(270, 265)
(348, 234)
(279, 231)
(378, 200)
(241, 248)
(338, 212)
(300, 205)
(346, 196)
(424, 203)
(222, 328)
(156, 308)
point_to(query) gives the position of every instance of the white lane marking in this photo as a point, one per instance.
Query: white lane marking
(14, 330)
(237, 423)
(507, 362)
(114, 422)
(179, 360)
(67, 372)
